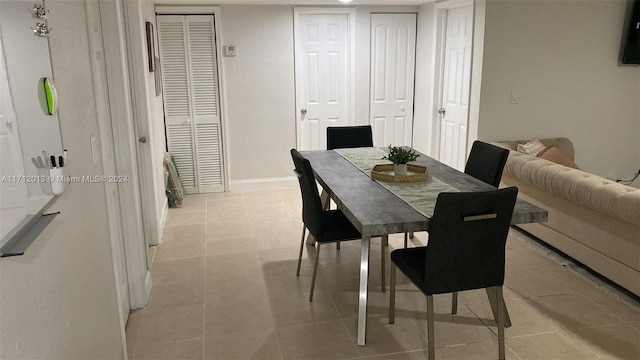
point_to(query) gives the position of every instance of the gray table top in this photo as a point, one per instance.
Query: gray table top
(374, 210)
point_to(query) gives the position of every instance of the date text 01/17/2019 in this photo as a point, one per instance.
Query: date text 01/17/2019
(84, 179)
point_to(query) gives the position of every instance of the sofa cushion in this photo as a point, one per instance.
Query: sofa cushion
(533, 147)
(565, 145)
(555, 155)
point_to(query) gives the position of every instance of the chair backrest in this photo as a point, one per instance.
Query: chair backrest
(339, 137)
(467, 238)
(486, 162)
(311, 203)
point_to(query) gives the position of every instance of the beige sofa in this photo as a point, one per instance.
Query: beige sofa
(594, 220)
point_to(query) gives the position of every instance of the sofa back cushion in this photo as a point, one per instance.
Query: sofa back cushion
(597, 193)
(554, 154)
(565, 145)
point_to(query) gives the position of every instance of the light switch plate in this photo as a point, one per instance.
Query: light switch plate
(514, 98)
(94, 149)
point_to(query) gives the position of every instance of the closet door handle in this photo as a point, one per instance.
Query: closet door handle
(143, 139)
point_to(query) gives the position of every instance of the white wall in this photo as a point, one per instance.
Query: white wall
(259, 90)
(259, 87)
(59, 299)
(562, 59)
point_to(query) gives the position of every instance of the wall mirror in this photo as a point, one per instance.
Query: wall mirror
(27, 129)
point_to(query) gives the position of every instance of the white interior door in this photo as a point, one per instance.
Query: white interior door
(191, 101)
(393, 50)
(323, 49)
(454, 109)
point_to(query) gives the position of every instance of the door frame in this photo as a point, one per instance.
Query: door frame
(215, 11)
(120, 104)
(351, 72)
(441, 10)
(141, 112)
(105, 128)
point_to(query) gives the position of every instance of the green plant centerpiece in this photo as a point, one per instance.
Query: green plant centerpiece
(400, 156)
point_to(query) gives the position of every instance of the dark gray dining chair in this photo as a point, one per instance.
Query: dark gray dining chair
(339, 137)
(486, 162)
(326, 226)
(466, 250)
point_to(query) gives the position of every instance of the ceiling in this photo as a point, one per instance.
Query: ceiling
(291, 2)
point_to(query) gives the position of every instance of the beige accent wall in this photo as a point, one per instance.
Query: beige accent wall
(58, 301)
(561, 57)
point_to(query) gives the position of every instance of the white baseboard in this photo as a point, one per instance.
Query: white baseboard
(263, 184)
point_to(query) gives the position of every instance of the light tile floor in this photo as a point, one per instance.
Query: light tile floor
(225, 288)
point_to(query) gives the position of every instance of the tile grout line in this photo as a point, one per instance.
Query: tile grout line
(204, 278)
(275, 329)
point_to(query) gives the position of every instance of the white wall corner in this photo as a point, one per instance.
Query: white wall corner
(148, 285)
(479, 10)
(263, 184)
(164, 211)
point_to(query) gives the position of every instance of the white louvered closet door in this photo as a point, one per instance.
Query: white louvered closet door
(191, 101)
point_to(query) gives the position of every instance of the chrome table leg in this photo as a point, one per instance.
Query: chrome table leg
(364, 279)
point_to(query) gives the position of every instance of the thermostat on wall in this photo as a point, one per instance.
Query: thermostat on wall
(229, 50)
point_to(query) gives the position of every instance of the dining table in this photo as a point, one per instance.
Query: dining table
(378, 209)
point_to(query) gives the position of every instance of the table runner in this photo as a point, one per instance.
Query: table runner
(421, 195)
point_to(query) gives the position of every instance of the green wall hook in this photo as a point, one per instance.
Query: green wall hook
(50, 96)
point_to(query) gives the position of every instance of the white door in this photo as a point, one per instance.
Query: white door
(323, 50)
(191, 102)
(454, 109)
(393, 49)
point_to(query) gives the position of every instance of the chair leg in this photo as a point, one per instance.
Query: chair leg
(493, 300)
(338, 245)
(406, 239)
(454, 302)
(304, 230)
(431, 338)
(315, 271)
(392, 295)
(383, 250)
(501, 310)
